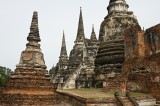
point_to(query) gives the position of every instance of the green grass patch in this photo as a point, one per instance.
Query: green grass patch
(89, 93)
(138, 94)
(98, 93)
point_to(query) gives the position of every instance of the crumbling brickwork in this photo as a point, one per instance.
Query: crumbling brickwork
(134, 42)
(142, 61)
(110, 55)
(152, 40)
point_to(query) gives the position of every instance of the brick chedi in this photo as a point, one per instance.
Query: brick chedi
(30, 83)
(63, 59)
(110, 55)
(86, 75)
(80, 69)
(93, 37)
(59, 72)
(32, 57)
(76, 55)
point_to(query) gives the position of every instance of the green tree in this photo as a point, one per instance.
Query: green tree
(4, 75)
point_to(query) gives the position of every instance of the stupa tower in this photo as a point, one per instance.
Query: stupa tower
(30, 83)
(110, 55)
(117, 20)
(76, 54)
(93, 37)
(63, 58)
(32, 57)
(80, 31)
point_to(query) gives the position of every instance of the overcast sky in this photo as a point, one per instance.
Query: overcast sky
(54, 17)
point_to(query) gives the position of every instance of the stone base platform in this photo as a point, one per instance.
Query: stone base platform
(76, 100)
(17, 99)
(29, 87)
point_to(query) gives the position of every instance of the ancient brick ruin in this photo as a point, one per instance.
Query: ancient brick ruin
(59, 72)
(110, 55)
(142, 62)
(121, 52)
(30, 83)
(78, 70)
(134, 42)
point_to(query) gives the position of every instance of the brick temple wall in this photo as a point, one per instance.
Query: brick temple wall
(134, 42)
(142, 62)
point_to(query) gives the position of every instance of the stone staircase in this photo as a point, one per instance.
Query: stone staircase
(70, 82)
(126, 101)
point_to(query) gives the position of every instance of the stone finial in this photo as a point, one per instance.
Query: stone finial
(111, 1)
(92, 27)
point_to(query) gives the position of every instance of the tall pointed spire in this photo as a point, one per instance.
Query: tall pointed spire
(92, 27)
(32, 57)
(63, 47)
(80, 31)
(63, 58)
(33, 36)
(34, 31)
(93, 35)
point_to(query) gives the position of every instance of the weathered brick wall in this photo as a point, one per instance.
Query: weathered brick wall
(142, 61)
(27, 100)
(152, 40)
(143, 74)
(134, 42)
(29, 87)
(80, 101)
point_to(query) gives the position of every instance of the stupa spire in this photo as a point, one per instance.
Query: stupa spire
(80, 31)
(32, 57)
(93, 35)
(34, 31)
(63, 47)
(63, 58)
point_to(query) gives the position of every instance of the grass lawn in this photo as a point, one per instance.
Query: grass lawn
(138, 94)
(89, 92)
(97, 93)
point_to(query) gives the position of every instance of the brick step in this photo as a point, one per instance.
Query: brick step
(24, 99)
(28, 77)
(31, 83)
(30, 86)
(30, 91)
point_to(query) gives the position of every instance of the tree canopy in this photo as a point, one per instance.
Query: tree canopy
(4, 75)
